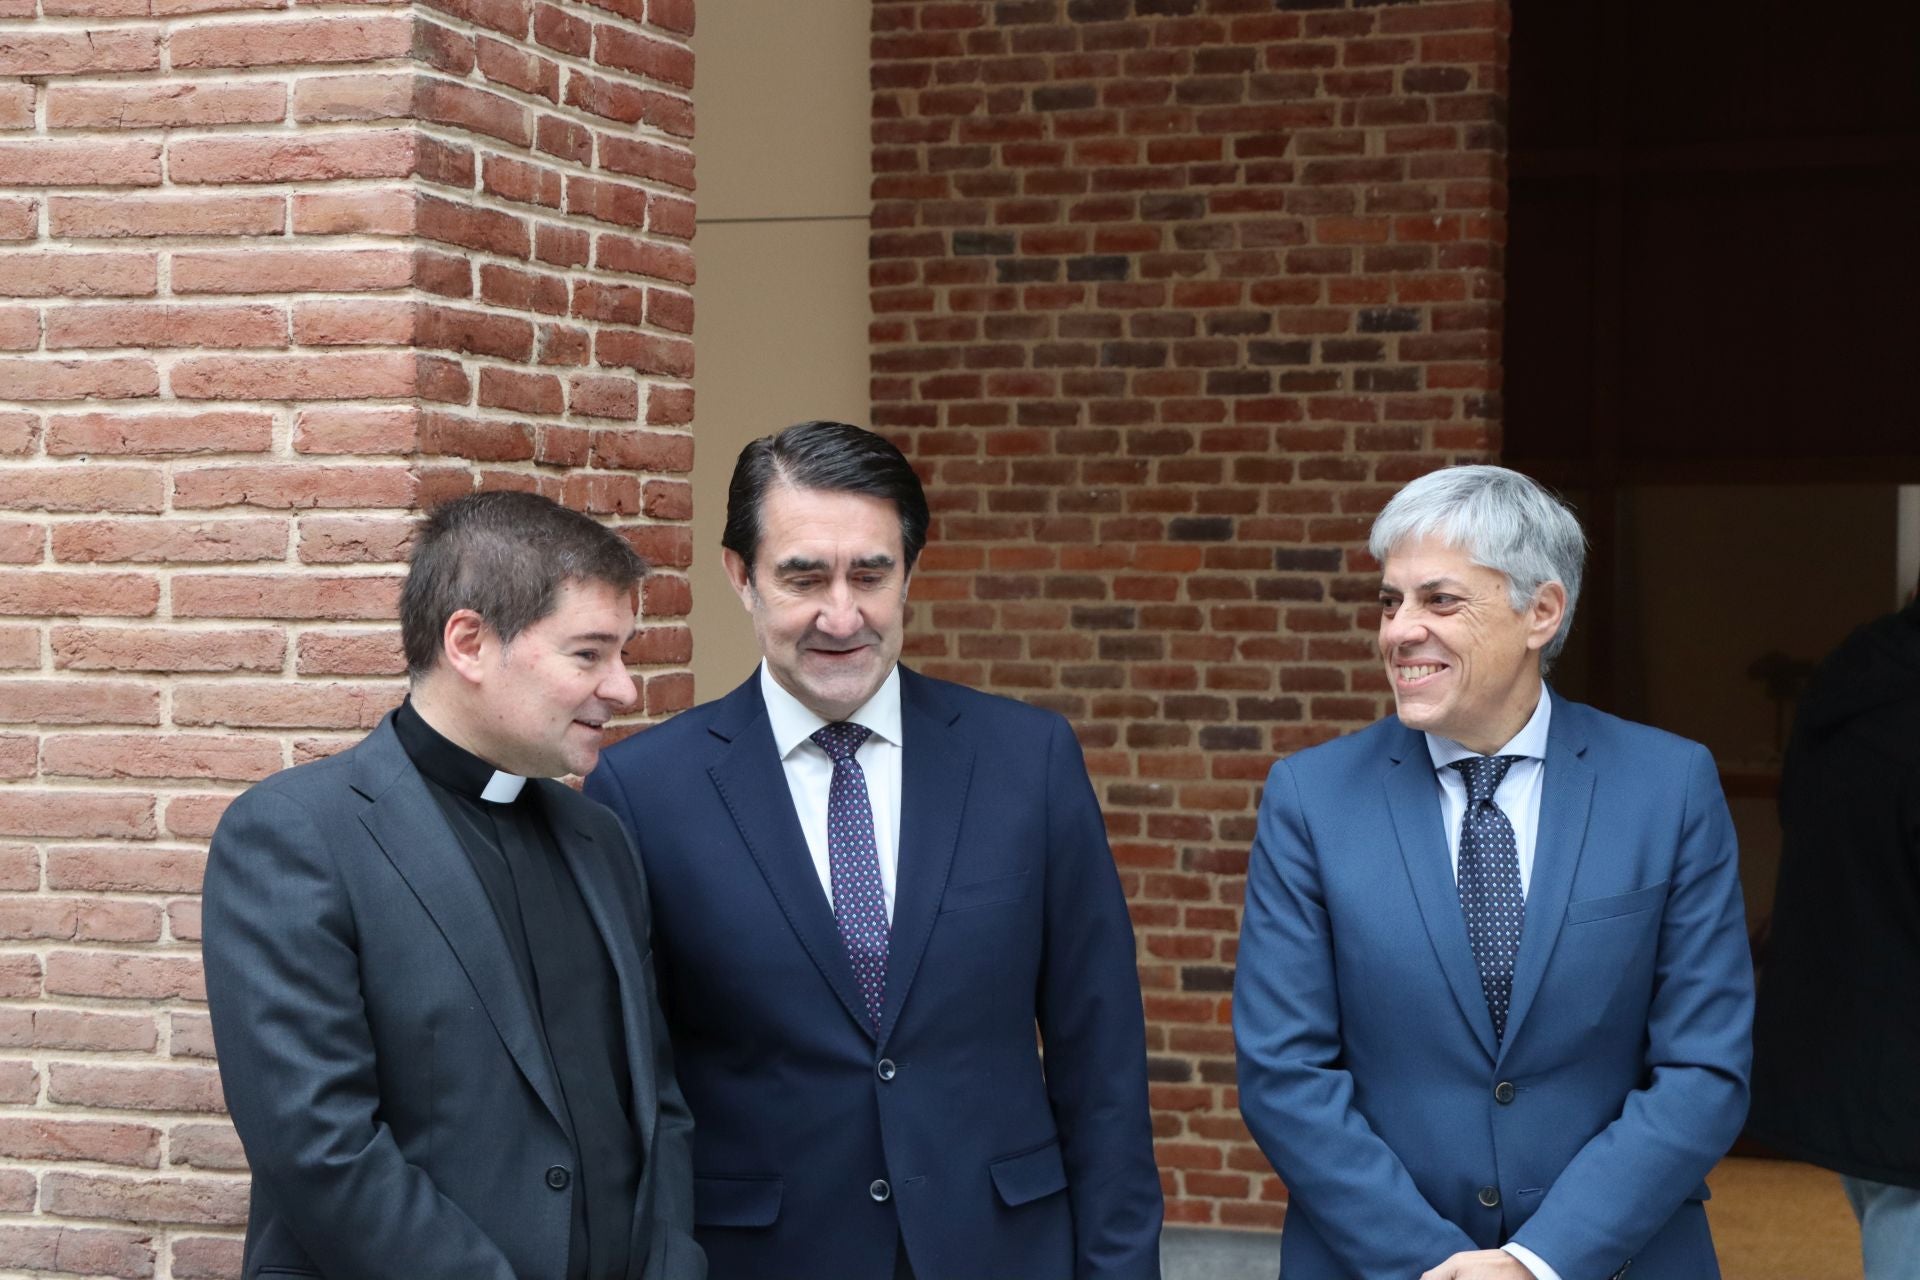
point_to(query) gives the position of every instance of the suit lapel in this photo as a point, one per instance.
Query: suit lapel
(609, 890)
(406, 822)
(1565, 799)
(753, 786)
(1413, 800)
(936, 767)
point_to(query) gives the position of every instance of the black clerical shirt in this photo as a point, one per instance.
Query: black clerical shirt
(569, 980)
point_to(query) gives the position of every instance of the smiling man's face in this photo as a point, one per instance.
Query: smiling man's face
(828, 594)
(545, 698)
(1462, 661)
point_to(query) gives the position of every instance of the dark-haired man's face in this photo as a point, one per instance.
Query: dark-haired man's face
(827, 595)
(545, 698)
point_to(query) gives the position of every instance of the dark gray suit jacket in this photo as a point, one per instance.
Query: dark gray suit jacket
(381, 1057)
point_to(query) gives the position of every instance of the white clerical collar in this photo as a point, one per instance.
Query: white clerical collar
(503, 787)
(793, 723)
(1530, 742)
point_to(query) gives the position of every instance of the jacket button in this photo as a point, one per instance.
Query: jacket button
(1490, 1197)
(1503, 1092)
(880, 1191)
(558, 1177)
(885, 1069)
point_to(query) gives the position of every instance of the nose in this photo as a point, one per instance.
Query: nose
(1403, 627)
(839, 615)
(618, 688)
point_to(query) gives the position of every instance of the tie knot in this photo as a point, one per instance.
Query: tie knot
(1483, 775)
(841, 739)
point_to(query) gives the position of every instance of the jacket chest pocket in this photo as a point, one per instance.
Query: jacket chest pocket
(985, 893)
(1613, 907)
(1604, 960)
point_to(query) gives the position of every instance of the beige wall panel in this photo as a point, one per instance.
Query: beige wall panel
(784, 105)
(783, 338)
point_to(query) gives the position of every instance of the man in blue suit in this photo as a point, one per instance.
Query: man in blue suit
(891, 943)
(1493, 999)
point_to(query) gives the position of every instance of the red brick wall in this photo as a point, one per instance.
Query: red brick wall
(1169, 296)
(270, 282)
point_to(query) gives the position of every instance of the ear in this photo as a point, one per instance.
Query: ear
(737, 575)
(1544, 614)
(464, 643)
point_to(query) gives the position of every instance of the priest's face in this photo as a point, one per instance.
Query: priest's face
(546, 696)
(827, 594)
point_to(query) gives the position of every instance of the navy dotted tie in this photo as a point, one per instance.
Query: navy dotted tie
(859, 903)
(1489, 882)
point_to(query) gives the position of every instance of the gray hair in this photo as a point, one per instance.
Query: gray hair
(1503, 521)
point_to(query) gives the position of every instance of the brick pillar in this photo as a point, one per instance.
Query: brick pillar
(1170, 295)
(269, 284)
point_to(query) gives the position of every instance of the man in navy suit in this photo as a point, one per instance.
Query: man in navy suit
(891, 942)
(1493, 1000)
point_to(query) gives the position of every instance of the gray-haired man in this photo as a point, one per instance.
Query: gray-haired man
(1493, 998)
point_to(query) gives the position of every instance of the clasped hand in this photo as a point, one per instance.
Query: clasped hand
(1480, 1264)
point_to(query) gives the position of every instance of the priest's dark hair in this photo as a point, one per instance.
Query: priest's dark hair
(504, 555)
(833, 457)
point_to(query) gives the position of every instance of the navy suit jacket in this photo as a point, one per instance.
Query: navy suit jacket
(1008, 916)
(1369, 1072)
(383, 1062)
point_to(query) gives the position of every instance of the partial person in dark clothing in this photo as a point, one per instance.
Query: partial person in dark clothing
(429, 964)
(1836, 1073)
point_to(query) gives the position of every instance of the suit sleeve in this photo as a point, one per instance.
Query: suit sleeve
(1094, 1034)
(1910, 822)
(297, 1057)
(671, 1158)
(1295, 1096)
(1631, 1177)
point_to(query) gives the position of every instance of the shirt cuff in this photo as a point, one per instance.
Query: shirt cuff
(1532, 1262)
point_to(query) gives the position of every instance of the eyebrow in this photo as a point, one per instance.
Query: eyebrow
(802, 564)
(1431, 584)
(602, 637)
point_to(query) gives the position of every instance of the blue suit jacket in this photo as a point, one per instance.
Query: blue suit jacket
(1008, 914)
(1369, 1072)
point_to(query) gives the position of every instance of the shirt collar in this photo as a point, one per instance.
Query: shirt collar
(1530, 743)
(793, 723)
(450, 764)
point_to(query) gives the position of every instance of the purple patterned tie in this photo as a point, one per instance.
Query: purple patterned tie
(859, 903)
(1489, 881)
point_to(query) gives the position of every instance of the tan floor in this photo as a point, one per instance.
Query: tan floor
(1778, 1220)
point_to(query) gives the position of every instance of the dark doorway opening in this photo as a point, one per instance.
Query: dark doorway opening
(1712, 344)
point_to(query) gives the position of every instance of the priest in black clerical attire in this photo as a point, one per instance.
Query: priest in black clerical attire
(429, 963)
(563, 967)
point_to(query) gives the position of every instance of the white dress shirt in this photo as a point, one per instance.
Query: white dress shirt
(1518, 796)
(809, 772)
